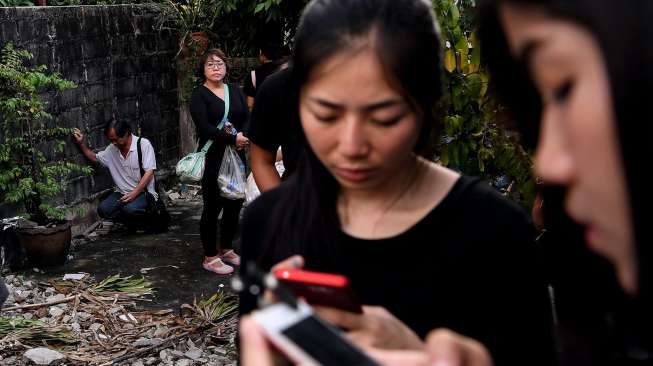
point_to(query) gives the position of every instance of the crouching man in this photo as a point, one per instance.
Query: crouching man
(128, 203)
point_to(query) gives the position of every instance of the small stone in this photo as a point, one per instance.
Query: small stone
(57, 297)
(177, 353)
(150, 361)
(95, 327)
(83, 316)
(66, 319)
(43, 356)
(194, 354)
(183, 362)
(164, 355)
(161, 331)
(55, 312)
(41, 313)
(75, 326)
(28, 316)
(137, 363)
(145, 342)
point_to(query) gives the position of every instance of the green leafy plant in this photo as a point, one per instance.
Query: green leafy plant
(10, 3)
(27, 177)
(187, 17)
(472, 141)
(126, 285)
(213, 309)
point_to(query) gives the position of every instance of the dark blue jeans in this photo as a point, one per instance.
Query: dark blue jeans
(131, 214)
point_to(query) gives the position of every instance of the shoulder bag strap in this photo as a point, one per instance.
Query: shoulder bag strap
(140, 157)
(224, 117)
(226, 106)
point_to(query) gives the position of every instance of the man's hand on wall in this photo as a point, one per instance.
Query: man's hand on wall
(78, 135)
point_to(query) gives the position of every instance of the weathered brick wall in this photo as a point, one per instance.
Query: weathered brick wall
(123, 68)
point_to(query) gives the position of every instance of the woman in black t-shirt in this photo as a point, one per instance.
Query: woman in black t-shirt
(422, 245)
(207, 108)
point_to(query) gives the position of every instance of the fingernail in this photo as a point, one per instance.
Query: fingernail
(297, 261)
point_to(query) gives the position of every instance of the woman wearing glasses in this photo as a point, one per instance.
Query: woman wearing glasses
(207, 107)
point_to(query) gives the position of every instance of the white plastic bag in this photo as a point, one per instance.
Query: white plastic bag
(251, 191)
(231, 178)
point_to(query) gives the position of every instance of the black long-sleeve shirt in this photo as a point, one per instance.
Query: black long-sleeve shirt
(207, 110)
(469, 265)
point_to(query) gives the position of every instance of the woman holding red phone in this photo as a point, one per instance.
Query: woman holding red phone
(423, 246)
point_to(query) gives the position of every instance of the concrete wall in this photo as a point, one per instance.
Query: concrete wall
(123, 68)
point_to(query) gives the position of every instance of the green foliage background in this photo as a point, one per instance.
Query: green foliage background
(472, 142)
(27, 177)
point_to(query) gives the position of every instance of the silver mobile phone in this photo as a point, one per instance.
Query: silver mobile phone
(306, 339)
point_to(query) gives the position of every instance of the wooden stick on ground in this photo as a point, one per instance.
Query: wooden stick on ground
(32, 306)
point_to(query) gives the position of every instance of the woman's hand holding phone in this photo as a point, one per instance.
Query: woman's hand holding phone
(293, 262)
(374, 328)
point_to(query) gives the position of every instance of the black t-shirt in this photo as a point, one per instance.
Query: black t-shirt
(207, 110)
(273, 124)
(262, 72)
(469, 265)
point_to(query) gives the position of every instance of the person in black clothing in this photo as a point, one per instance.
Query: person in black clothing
(580, 89)
(270, 58)
(424, 247)
(207, 109)
(272, 126)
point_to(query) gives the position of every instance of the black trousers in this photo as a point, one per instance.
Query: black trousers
(213, 203)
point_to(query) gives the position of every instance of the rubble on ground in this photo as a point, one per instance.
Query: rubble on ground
(83, 322)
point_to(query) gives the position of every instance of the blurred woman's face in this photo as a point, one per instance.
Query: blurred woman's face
(214, 69)
(578, 146)
(359, 127)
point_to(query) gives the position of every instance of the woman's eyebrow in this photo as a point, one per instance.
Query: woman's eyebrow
(382, 104)
(326, 103)
(525, 54)
(368, 108)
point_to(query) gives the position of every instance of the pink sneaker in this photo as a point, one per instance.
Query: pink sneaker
(231, 257)
(217, 266)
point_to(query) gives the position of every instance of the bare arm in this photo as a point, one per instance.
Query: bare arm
(250, 102)
(265, 173)
(88, 153)
(142, 185)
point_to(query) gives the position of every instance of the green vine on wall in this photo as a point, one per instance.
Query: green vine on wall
(471, 141)
(27, 177)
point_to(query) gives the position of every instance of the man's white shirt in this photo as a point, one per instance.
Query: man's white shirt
(125, 171)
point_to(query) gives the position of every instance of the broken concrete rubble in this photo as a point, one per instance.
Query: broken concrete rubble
(43, 356)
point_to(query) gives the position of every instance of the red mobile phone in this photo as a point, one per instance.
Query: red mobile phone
(319, 288)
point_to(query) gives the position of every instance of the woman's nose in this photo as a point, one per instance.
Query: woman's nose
(553, 159)
(353, 139)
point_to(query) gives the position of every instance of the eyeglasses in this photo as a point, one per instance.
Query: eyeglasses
(214, 65)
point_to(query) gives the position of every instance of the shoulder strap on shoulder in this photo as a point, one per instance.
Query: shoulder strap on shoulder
(140, 157)
(226, 106)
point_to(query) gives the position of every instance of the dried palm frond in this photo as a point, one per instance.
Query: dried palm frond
(33, 332)
(213, 309)
(123, 285)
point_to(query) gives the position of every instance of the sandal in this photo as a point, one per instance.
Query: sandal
(217, 266)
(231, 257)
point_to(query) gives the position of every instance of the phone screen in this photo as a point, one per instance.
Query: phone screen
(324, 345)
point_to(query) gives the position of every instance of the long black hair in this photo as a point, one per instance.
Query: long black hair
(405, 37)
(623, 31)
